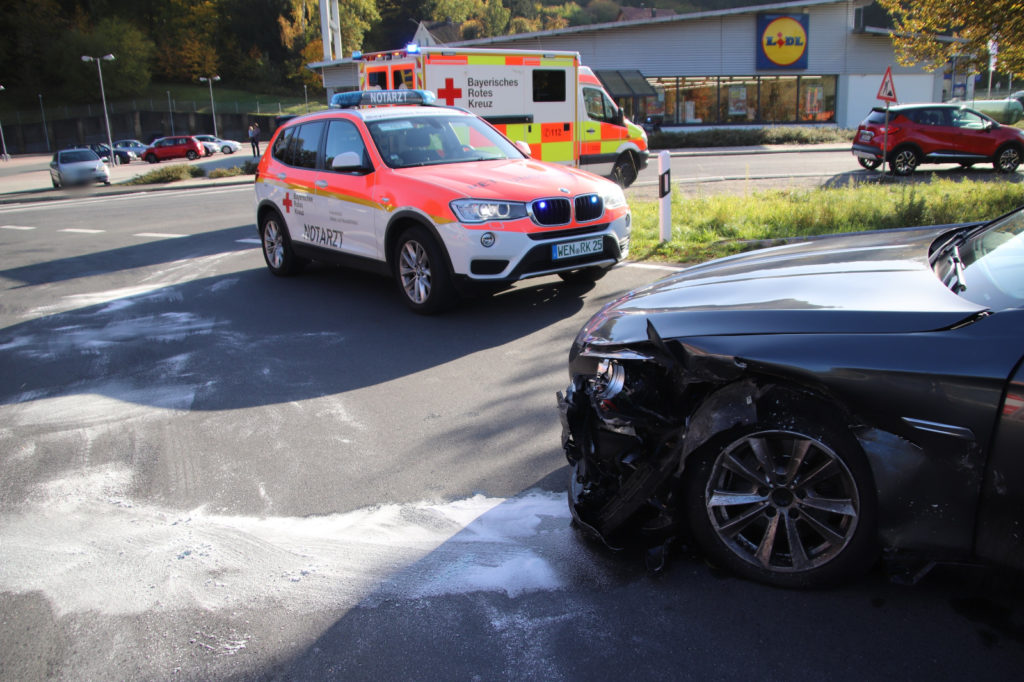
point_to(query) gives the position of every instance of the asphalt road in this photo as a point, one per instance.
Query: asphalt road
(207, 472)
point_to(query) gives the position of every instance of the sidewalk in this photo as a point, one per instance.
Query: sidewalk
(27, 178)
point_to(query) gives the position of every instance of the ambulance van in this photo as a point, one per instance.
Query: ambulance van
(544, 98)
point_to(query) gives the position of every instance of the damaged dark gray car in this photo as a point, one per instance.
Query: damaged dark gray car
(797, 409)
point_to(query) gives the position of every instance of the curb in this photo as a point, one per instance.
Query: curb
(33, 196)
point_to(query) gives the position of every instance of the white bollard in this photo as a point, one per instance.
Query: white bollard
(665, 195)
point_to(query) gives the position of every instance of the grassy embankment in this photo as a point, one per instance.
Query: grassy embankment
(708, 227)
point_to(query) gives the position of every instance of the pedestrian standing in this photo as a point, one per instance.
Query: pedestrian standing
(254, 139)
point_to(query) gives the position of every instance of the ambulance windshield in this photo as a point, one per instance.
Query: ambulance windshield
(404, 142)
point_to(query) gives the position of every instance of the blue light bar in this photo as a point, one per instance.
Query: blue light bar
(412, 48)
(357, 54)
(370, 98)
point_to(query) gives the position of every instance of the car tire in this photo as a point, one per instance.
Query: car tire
(870, 164)
(904, 161)
(624, 171)
(191, 155)
(277, 246)
(1007, 159)
(56, 185)
(226, 150)
(583, 275)
(421, 273)
(152, 158)
(788, 501)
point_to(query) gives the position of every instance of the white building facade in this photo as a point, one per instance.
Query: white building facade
(814, 62)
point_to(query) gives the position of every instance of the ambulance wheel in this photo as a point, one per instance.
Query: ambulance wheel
(583, 276)
(624, 171)
(277, 246)
(421, 272)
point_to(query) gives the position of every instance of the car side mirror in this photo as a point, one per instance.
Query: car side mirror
(524, 147)
(348, 162)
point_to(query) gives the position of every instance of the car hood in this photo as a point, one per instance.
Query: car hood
(509, 179)
(869, 283)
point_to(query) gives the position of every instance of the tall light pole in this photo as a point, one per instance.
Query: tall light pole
(103, 95)
(213, 110)
(3, 142)
(170, 111)
(45, 131)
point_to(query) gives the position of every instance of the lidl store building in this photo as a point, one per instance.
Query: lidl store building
(813, 62)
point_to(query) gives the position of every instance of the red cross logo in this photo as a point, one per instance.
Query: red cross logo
(449, 93)
(287, 203)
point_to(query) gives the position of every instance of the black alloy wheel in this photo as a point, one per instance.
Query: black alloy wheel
(1007, 159)
(192, 155)
(904, 161)
(624, 171)
(870, 164)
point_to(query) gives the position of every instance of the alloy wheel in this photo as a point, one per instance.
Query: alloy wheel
(782, 501)
(414, 271)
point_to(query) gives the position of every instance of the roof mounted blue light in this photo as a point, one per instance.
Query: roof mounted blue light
(372, 98)
(412, 48)
(357, 54)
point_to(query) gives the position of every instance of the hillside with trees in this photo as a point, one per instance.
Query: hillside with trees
(259, 45)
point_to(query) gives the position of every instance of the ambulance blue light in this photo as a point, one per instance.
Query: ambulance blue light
(363, 98)
(357, 54)
(412, 48)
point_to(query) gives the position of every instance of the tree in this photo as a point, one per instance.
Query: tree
(126, 76)
(932, 32)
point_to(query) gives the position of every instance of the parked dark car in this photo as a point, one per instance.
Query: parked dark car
(935, 133)
(796, 409)
(103, 151)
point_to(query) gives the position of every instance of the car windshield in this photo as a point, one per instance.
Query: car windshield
(432, 140)
(988, 267)
(78, 156)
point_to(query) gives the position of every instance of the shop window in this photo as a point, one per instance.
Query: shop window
(699, 100)
(818, 99)
(779, 99)
(739, 99)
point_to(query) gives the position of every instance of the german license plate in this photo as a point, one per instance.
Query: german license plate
(580, 248)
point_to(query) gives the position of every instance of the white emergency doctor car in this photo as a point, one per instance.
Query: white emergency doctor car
(432, 196)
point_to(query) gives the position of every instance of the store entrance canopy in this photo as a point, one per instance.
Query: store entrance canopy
(629, 83)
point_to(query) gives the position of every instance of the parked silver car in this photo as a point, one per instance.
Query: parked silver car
(223, 146)
(77, 167)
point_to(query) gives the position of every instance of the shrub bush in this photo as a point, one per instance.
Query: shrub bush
(748, 137)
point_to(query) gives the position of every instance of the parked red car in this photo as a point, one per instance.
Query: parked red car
(936, 133)
(186, 147)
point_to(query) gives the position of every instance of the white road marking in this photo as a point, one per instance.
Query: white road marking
(81, 230)
(16, 227)
(159, 235)
(652, 266)
(248, 241)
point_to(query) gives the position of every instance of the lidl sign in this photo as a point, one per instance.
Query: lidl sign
(783, 41)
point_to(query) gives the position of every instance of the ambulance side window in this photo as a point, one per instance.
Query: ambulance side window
(307, 144)
(598, 106)
(403, 79)
(548, 85)
(343, 136)
(377, 80)
(282, 146)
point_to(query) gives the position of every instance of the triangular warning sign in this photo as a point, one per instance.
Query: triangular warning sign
(887, 92)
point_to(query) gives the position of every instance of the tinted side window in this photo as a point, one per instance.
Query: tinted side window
(548, 85)
(307, 144)
(282, 146)
(343, 136)
(597, 104)
(377, 80)
(878, 117)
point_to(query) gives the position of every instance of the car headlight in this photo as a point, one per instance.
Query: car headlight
(613, 196)
(482, 210)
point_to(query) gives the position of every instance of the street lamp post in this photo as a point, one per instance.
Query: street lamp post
(3, 142)
(103, 96)
(46, 133)
(213, 110)
(170, 111)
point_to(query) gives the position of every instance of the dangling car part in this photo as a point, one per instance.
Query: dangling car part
(797, 409)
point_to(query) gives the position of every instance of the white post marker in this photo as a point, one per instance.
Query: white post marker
(665, 195)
